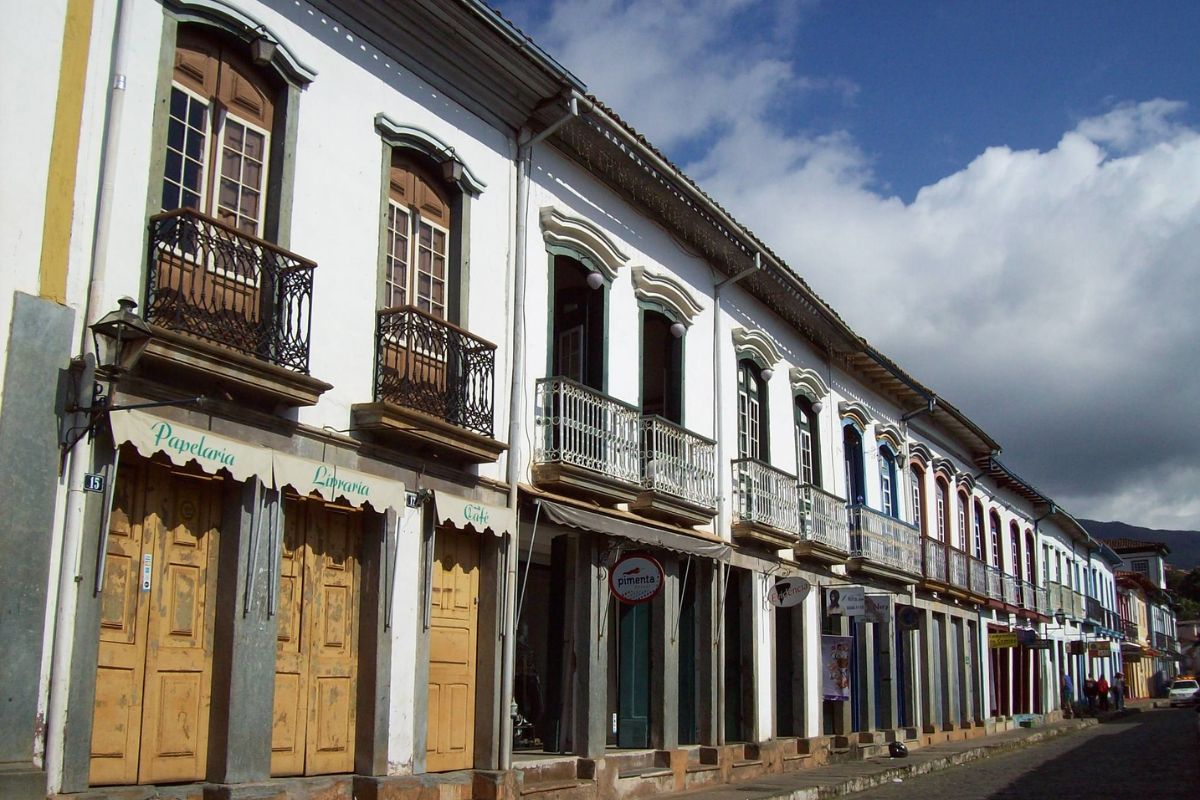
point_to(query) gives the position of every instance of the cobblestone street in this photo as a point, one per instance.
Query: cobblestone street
(1154, 755)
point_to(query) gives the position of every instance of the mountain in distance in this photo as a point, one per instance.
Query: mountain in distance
(1184, 545)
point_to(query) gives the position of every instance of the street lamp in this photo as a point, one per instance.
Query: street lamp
(120, 338)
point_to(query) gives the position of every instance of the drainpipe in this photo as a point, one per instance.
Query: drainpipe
(722, 506)
(69, 567)
(516, 413)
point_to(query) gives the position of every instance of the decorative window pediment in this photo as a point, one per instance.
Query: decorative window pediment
(807, 383)
(232, 19)
(584, 237)
(756, 345)
(919, 454)
(856, 412)
(944, 467)
(966, 480)
(890, 435)
(454, 170)
(667, 293)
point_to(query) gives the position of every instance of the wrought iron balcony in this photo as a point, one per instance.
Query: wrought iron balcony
(1094, 610)
(1010, 590)
(995, 590)
(217, 284)
(1043, 601)
(979, 577)
(935, 560)
(767, 503)
(1028, 596)
(883, 540)
(429, 365)
(958, 569)
(1131, 630)
(586, 441)
(679, 473)
(824, 519)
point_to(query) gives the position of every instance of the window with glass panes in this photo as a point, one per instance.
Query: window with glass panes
(995, 525)
(961, 539)
(750, 412)
(918, 498)
(887, 482)
(977, 530)
(808, 453)
(418, 236)
(940, 500)
(1014, 543)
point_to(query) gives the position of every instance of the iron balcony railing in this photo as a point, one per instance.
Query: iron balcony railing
(824, 518)
(1094, 610)
(216, 283)
(1010, 590)
(429, 365)
(580, 426)
(1161, 641)
(1028, 596)
(1130, 629)
(935, 559)
(874, 536)
(678, 463)
(994, 590)
(979, 577)
(766, 496)
(1043, 601)
(958, 569)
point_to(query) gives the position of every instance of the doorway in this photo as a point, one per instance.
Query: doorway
(662, 368)
(737, 629)
(577, 338)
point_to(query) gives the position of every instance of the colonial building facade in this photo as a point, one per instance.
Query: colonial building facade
(432, 364)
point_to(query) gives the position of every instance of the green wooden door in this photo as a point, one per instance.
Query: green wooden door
(633, 681)
(688, 733)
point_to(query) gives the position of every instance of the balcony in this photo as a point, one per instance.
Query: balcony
(1010, 590)
(1094, 611)
(585, 442)
(1060, 597)
(959, 576)
(883, 545)
(824, 526)
(934, 561)
(229, 311)
(1043, 601)
(679, 474)
(1129, 628)
(979, 577)
(766, 505)
(433, 388)
(994, 583)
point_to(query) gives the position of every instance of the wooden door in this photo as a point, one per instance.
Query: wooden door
(454, 601)
(154, 670)
(633, 676)
(316, 667)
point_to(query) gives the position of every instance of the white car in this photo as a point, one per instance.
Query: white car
(1183, 692)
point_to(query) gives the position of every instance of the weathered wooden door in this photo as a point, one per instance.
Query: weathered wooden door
(316, 666)
(154, 668)
(452, 641)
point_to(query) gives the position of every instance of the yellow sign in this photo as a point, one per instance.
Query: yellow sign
(1002, 640)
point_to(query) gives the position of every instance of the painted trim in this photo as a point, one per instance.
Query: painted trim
(59, 213)
(808, 383)
(856, 413)
(667, 292)
(945, 468)
(889, 434)
(583, 237)
(966, 480)
(918, 453)
(409, 137)
(241, 24)
(756, 344)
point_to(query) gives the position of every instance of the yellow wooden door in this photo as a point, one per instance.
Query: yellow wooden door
(153, 680)
(452, 641)
(316, 673)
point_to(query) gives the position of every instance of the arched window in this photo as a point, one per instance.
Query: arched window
(977, 529)
(963, 516)
(918, 499)
(808, 442)
(1030, 558)
(942, 501)
(221, 114)
(1014, 537)
(752, 411)
(852, 446)
(994, 524)
(889, 502)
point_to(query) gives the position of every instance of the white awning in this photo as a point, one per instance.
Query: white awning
(656, 537)
(183, 444)
(470, 514)
(331, 482)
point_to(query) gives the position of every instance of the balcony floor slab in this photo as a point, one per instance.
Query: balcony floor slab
(424, 433)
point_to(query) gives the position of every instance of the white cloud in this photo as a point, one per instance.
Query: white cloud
(1053, 296)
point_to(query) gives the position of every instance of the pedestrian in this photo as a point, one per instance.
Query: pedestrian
(1089, 693)
(1068, 695)
(1102, 692)
(1118, 691)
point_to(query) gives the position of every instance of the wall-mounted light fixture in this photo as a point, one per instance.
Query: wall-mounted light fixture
(595, 280)
(262, 47)
(816, 406)
(678, 329)
(766, 373)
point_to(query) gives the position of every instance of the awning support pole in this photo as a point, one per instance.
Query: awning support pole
(537, 513)
(721, 607)
(252, 560)
(106, 518)
(390, 560)
(275, 546)
(682, 594)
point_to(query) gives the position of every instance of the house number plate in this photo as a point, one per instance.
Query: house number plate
(147, 561)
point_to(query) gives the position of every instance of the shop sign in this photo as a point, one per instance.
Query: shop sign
(845, 601)
(1099, 649)
(1075, 648)
(835, 663)
(908, 618)
(788, 592)
(1040, 644)
(878, 608)
(999, 640)
(636, 579)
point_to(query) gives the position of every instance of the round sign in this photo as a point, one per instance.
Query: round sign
(908, 617)
(788, 592)
(636, 579)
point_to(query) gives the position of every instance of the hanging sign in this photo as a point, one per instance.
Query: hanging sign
(999, 640)
(1099, 649)
(845, 601)
(788, 592)
(1040, 644)
(835, 667)
(878, 608)
(636, 579)
(1075, 648)
(908, 618)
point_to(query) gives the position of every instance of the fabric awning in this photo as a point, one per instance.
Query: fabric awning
(470, 514)
(331, 482)
(183, 444)
(655, 537)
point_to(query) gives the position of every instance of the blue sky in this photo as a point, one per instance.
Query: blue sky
(1004, 197)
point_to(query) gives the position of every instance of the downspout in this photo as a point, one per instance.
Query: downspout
(73, 517)
(722, 507)
(516, 413)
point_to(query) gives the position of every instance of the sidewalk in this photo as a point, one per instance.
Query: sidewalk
(837, 780)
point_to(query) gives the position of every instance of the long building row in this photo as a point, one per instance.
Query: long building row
(378, 404)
